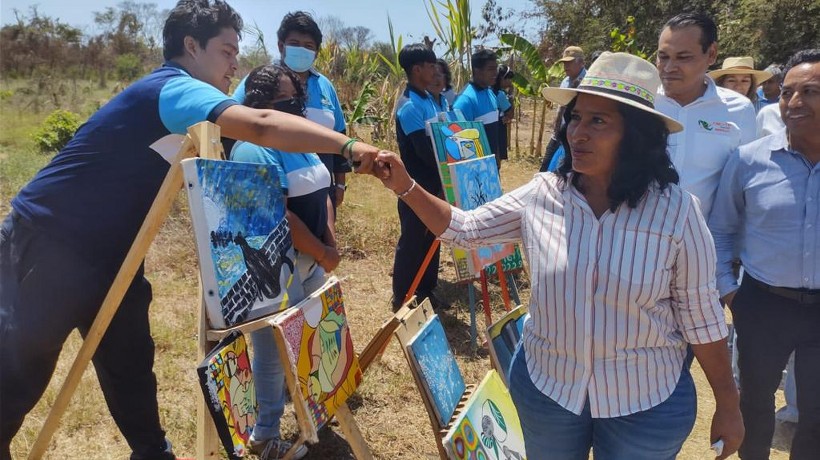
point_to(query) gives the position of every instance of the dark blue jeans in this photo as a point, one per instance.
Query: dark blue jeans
(47, 290)
(554, 433)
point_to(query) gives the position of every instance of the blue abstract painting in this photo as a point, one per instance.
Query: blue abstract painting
(243, 239)
(437, 367)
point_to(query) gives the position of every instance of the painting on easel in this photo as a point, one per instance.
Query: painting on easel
(227, 384)
(488, 427)
(438, 371)
(243, 239)
(322, 368)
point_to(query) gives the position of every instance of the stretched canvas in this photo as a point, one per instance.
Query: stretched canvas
(504, 336)
(243, 239)
(319, 353)
(227, 383)
(455, 141)
(476, 182)
(437, 368)
(488, 427)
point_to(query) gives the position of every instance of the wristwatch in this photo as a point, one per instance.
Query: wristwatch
(343, 187)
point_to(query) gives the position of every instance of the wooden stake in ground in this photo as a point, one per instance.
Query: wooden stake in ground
(150, 227)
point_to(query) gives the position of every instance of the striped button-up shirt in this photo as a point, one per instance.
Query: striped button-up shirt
(614, 299)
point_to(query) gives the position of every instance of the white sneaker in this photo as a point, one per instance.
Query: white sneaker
(275, 448)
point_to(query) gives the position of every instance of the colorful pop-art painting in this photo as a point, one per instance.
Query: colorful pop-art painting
(476, 182)
(243, 239)
(319, 352)
(488, 427)
(227, 384)
(455, 141)
(437, 369)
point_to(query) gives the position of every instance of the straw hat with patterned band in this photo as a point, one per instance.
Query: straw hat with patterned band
(572, 53)
(744, 65)
(622, 77)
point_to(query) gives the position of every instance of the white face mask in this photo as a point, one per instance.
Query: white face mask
(299, 59)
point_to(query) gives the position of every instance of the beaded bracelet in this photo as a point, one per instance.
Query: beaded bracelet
(407, 192)
(348, 146)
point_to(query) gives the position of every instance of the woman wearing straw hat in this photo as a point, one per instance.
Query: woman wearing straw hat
(739, 75)
(623, 278)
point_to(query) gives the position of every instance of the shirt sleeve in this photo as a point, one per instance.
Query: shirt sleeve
(726, 220)
(695, 301)
(245, 152)
(465, 104)
(410, 118)
(239, 93)
(498, 221)
(338, 114)
(748, 129)
(186, 101)
(503, 101)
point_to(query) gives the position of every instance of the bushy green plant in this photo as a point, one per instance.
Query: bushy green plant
(56, 130)
(129, 67)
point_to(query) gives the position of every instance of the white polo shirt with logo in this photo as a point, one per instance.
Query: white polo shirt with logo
(714, 125)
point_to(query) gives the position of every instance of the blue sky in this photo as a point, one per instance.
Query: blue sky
(409, 16)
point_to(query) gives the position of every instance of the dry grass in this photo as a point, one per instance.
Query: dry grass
(387, 407)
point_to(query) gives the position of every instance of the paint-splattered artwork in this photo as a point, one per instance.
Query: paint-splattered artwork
(455, 141)
(319, 352)
(227, 384)
(489, 427)
(437, 368)
(243, 239)
(476, 182)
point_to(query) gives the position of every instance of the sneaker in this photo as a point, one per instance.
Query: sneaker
(275, 448)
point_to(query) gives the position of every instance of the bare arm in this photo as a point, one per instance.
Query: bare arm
(289, 133)
(727, 423)
(433, 212)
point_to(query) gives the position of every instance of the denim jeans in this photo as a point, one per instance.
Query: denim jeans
(554, 433)
(268, 373)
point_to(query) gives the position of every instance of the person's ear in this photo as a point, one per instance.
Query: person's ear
(712, 53)
(281, 46)
(190, 44)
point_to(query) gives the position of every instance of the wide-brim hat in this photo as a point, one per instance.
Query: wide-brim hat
(744, 65)
(621, 77)
(572, 53)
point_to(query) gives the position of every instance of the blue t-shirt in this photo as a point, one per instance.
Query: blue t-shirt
(95, 193)
(503, 101)
(417, 108)
(304, 179)
(322, 107)
(479, 104)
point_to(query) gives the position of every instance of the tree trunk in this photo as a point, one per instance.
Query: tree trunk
(532, 130)
(541, 126)
(517, 122)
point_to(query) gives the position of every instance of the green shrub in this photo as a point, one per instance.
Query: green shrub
(129, 67)
(56, 131)
(6, 94)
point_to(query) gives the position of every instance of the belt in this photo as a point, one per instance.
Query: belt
(801, 296)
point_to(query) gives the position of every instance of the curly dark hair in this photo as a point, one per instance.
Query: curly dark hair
(262, 86)
(201, 19)
(642, 157)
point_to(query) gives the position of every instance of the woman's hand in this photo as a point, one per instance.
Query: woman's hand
(390, 170)
(363, 157)
(727, 425)
(330, 259)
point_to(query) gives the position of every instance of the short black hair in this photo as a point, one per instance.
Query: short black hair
(708, 29)
(480, 58)
(200, 19)
(802, 57)
(642, 157)
(262, 85)
(302, 22)
(445, 70)
(413, 55)
(504, 73)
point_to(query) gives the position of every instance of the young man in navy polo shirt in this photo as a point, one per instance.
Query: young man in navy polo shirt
(478, 103)
(72, 225)
(416, 149)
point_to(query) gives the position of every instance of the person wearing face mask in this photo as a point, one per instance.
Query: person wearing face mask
(299, 42)
(305, 183)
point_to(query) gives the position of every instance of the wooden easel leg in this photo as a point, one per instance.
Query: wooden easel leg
(207, 447)
(473, 327)
(502, 281)
(485, 296)
(351, 431)
(150, 227)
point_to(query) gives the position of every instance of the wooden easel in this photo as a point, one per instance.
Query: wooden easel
(411, 323)
(200, 139)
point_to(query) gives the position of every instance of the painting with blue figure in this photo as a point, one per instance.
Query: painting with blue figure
(243, 239)
(439, 372)
(476, 182)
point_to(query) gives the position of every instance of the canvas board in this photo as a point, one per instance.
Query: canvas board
(488, 427)
(438, 371)
(227, 384)
(242, 237)
(504, 336)
(317, 351)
